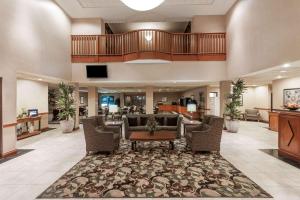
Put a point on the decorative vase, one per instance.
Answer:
(67, 125)
(232, 125)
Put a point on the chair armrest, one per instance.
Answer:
(200, 132)
(190, 128)
(103, 131)
(114, 129)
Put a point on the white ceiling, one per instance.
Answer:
(170, 10)
(268, 75)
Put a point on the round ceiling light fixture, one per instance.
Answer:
(142, 5)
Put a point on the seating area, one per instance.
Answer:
(143, 99)
(100, 137)
(165, 122)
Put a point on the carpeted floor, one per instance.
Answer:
(154, 171)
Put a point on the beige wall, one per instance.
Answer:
(171, 97)
(257, 97)
(88, 27)
(180, 71)
(35, 38)
(262, 34)
(277, 89)
(209, 24)
(31, 95)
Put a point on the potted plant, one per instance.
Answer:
(65, 104)
(232, 112)
(151, 125)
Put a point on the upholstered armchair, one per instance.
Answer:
(100, 138)
(252, 114)
(207, 136)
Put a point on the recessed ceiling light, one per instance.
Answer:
(278, 77)
(283, 71)
(286, 65)
(40, 79)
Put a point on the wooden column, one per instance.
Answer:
(122, 100)
(225, 89)
(149, 100)
(77, 102)
(92, 101)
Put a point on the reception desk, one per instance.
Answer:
(172, 108)
(273, 121)
(289, 135)
(180, 109)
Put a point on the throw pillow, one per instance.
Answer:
(160, 120)
(172, 121)
(144, 121)
(132, 121)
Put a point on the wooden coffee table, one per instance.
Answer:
(144, 136)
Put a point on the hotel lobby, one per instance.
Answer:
(125, 99)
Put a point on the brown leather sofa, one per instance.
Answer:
(170, 122)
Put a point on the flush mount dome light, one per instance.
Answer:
(142, 5)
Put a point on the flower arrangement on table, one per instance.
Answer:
(292, 106)
(151, 125)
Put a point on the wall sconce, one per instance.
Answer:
(148, 37)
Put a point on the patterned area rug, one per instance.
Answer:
(154, 171)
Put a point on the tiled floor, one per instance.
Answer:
(25, 177)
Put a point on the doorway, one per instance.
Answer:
(1, 122)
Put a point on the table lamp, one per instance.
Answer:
(113, 109)
(191, 108)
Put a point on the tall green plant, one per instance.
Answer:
(235, 99)
(65, 101)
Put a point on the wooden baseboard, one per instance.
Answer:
(44, 129)
(8, 154)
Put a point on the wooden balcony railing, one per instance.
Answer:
(149, 44)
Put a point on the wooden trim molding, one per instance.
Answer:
(8, 154)
(44, 113)
(10, 125)
(44, 129)
(266, 109)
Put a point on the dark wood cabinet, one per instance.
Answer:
(273, 121)
(289, 135)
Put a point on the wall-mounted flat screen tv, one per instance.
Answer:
(96, 71)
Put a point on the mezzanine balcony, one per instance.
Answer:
(149, 44)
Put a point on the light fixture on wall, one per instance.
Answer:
(148, 37)
(142, 5)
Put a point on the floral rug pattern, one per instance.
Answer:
(154, 171)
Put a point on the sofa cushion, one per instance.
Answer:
(167, 128)
(144, 121)
(137, 128)
(160, 121)
(116, 136)
(172, 121)
(188, 135)
(132, 121)
(251, 115)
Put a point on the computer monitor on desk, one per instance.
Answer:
(33, 113)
